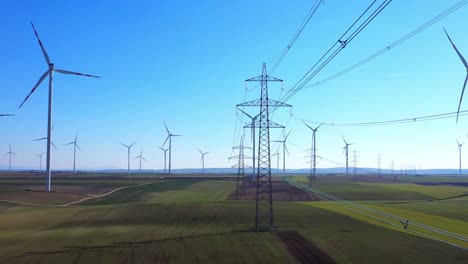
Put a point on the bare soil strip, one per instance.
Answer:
(302, 249)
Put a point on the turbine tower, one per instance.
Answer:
(165, 151)
(313, 149)
(346, 148)
(169, 137)
(49, 72)
(128, 155)
(202, 159)
(252, 128)
(75, 146)
(140, 157)
(9, 153)
(284, 150)
(466, 67)
(40, 160)
(459, 157)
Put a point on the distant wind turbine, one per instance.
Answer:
(169, 137)
(75, 146)
(284, 150)
(140, 157)
(128, 155)
(49, 72)
(252, 127)
(466, 67)
(277, 159)
(165, 151)
(459, 156)
(203, 159)
(346, 148)
(313, 149)
(40, 160)
(44, 138)
(9, 163)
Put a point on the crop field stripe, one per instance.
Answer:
(422, 226)
(104, 195)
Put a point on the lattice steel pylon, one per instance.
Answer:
(240, 165)
(264, 196)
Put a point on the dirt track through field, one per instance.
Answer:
(74, 202)
(302, 249)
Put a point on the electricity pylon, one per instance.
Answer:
(240, 165)
(264, 196)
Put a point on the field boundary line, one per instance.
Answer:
(104, 194)
(90, 196)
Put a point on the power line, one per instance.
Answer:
(396, 43)
(311, 13)
(338, 46)
(389, 122)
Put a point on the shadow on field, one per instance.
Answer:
(302, 249)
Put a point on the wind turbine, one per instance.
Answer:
(75, 146)
(313, 149)
(169, 137)
(252, 127)
(284, 150)
(44, 138)
(459, 156)
(277, 159)
(466, 67)
(40, 160)
(203, 159)
(140, 157)
(49, 72)
(165, 151)
(345, 148)
(128, 155)
(9, 153)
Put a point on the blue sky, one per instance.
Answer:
(185, 62)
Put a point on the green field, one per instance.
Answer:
(192, 221)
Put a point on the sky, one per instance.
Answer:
(185, 63)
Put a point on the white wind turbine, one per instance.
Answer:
(40, 160)
(203, 159)
(128, 155)
(466, 67)
(9, 153)
(169, 137)
(165, 151)
(140, 157)
(75, 146)
(49, 72)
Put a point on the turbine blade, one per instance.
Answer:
(78, 147)
(458, 52)
(124, 145)
(40, 44)
(52, 143)
(132, 145)
(176, 135)
(75, 73)
(68, 143)
(308, 126)
(35, 86)
(165, 140)
(166, 127)
(40, 139)
(319, 126)
(287, 135)
(76, 136)
(245, 113)
(6, 114)
(200, 151)
(461, 96)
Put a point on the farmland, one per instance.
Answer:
(197, 220)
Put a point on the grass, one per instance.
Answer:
(190, 221)
(436, 192)
(358, 191)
